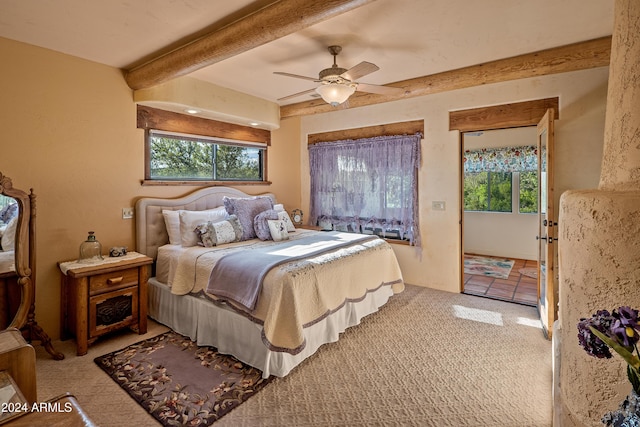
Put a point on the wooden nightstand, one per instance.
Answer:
(102, 297)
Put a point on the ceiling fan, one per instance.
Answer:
(338, 84)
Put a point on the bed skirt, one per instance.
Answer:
(231, 333)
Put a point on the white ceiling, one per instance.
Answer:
(405, 38)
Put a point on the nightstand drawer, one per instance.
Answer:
(111, 281)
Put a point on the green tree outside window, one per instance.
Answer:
(185, 158)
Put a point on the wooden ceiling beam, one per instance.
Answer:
(573, 57)
(276, 20)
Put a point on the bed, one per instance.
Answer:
(296, 304)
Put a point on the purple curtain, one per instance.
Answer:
(364, 184)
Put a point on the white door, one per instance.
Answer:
(547, 228)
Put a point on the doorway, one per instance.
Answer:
(500, 204)
(540, 113)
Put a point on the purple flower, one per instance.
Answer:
(593, 345)
(625, 335)
(624, 325)
(628, 316)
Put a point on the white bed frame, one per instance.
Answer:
(225, 329)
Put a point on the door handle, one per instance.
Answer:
(549, 240)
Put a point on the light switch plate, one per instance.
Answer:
(438, 205)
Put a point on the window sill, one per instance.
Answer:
(150, 182)
(397, 242)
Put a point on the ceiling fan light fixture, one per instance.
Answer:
(335, 93)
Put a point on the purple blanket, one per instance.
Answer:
(238, 276)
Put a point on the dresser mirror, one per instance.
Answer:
(18, 264)
(8, 227)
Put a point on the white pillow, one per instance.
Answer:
(217, 233)
(9, 236)
(278, 230)
(189, 220)
(279, 207)
(284, 216)
(172, 222)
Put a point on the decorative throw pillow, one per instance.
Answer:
(278, 230)
(190, 219)
(279, 207)
(8, 241)
(172, 223)
(283, 215)
(246, 210)
(217, 233)
(325, 224)
(260, 225)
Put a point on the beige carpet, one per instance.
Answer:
(428, 358)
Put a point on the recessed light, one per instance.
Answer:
(192, 111)
(254, 123)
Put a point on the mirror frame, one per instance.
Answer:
(23, 249)
(25, 266)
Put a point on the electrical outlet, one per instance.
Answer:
(127, 213)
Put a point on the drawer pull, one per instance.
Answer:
(115, 280)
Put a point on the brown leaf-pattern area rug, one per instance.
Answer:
(180, 383)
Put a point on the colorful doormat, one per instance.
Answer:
(180, 383)
(492, 267)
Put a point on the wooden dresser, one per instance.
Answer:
(99, 298)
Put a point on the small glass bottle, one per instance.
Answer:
(90, 250)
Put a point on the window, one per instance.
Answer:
(493, 178)
(528, 186)
(182, 157)
(367, 185)
(487, 191)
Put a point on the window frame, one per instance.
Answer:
(207, 140)
(516, 194)
(163, 121)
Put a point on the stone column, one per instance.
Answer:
(599, 240)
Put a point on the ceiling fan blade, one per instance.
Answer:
(313, 79)
(360, 70)
(381, 90)
(304, 92)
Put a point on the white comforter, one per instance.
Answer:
(295, 294)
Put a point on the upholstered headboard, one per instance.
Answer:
(151, 232)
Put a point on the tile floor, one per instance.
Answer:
(516, 288)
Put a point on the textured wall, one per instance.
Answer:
(621, 158)
(599, 269)
(69, 132)
(598, 242)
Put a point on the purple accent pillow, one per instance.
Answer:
(246, 209)
(261, 224)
